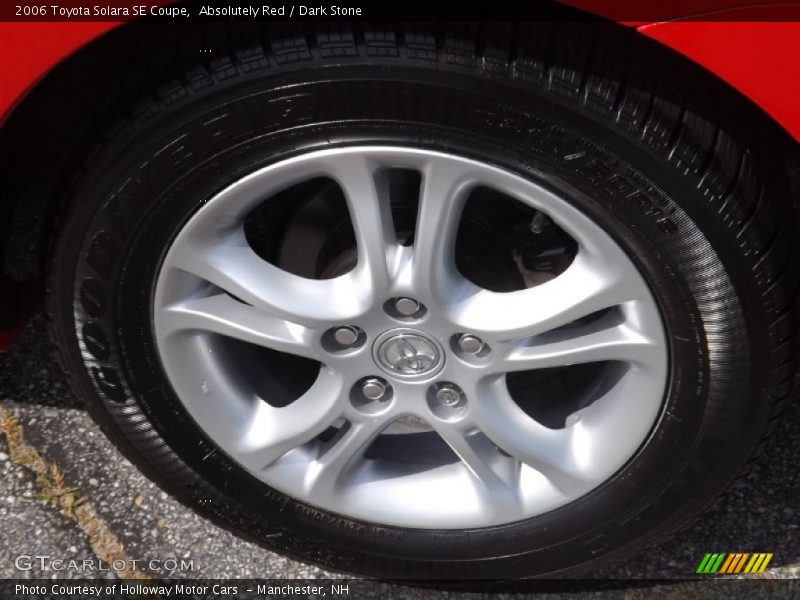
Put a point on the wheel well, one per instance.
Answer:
(53, 131)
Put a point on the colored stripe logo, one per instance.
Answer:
(736, 562)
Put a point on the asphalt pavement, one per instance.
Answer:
(760, 513)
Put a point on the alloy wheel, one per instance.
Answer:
(411, 401)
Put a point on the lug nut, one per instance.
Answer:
(346, 336)
(448, 395)
(406, 306)
(470, 344)
(373, 388)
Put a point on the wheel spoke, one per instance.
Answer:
(549, 451)
(326, 473)
(602, 340)
(223, 315)
(445, 187)
(236, 269)
(272, 432)
(578, 292)
(484, 461)
(367, 194)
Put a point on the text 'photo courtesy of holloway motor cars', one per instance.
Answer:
(418, 291)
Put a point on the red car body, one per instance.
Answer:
(750, 44)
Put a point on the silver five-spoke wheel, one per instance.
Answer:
(410, 419)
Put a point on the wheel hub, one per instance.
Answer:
(408, 354)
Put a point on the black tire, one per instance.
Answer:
(644, 150)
